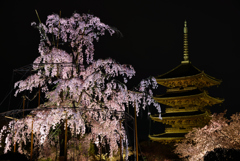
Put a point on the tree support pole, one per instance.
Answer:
(14, 150)
(31, 142)
(65, 145)
(136, 138)
(100, 150)
(23, 104)
(121, 156)
(39, 96)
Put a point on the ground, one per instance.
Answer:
(154, 151)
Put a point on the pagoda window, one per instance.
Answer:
(179, 122)
(179, 102)
(181, 88)
(187, 122)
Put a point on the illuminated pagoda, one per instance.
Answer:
(186, 99)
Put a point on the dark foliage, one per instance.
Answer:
(152, 151)
(222, 154)
(11, 156)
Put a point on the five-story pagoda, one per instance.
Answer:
(186, 100)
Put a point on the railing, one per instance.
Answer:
(176, 130)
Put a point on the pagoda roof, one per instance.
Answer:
(186, 98)
(180, 93)
(182, 114)
(185, 75)
(167, 137)
(170, 116)
(182, 70)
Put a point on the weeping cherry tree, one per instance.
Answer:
(90, 94)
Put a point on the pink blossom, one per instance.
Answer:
(219, 133)
(88, 85)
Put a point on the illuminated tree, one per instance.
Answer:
(219, 133)
(85, 92)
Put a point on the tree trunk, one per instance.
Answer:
(62, 143)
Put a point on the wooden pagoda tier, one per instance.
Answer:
(185, 108)
(167, 138)
(186, 100)
(182, 120)
(186, 75)
(179, 125)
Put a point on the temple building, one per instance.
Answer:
(186, 100)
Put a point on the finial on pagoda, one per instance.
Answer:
(185, 43)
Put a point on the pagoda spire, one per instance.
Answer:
(185, 43)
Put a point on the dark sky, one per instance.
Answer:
(152, 37)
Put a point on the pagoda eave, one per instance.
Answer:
(165, 139)
(199, 80)
(154, 118)
(201, 99)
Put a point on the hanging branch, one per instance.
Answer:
(38, 16)
(58, 28)
(92, 97)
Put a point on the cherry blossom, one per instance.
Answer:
(219, 133)
(87, 93)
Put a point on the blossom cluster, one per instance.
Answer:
(45, 122)
(79, 31)
(88, 88)
(219, 133)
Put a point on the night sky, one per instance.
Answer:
(152, 38)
